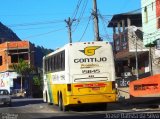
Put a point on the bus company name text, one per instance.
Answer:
(86, 60)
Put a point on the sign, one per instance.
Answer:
(124, 82)
(8, 75)
(2, 84)
(90, 51)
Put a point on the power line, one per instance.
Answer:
(34, 14)
(85, 29)
(133, 11)
(76, 10)
(60, 21)
(81, 14)
(36, 28)
(37, 35)
(36, 23)
(103, 24)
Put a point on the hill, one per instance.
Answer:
(6, 34)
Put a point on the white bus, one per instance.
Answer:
(79, 73)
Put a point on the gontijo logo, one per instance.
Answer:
(90, 51)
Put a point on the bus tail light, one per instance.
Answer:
(69, 87)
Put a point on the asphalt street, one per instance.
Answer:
(30, 108)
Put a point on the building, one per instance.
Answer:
(151, 29)
(11, 52)
(149, 88)
(131, 57)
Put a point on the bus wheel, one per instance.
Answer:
(61, 105)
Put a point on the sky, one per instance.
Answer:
(42, 22)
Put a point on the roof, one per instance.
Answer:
(136, 19)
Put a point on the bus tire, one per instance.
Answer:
(61, 104)
(106, 106)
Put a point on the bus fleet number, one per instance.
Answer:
(90, 71)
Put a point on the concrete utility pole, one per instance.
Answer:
(136, 56)
(96, 27)
(69, 24)
(150, 60)
(134, 29)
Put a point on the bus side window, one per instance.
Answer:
(60, 61)
(52, 63)
(46, 65)
(63, 60)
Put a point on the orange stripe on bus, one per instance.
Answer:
(91, 85)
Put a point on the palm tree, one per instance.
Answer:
(22, 68)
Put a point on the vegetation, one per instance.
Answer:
(37, 81)
(22, 68)
(37, 86)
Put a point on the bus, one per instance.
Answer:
(79, 73)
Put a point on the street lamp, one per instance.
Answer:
(134, 29)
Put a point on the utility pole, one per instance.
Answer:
(69, 24)
(136, 56)
(134, 29)
(150, 60)
(96, 27)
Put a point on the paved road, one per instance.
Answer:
(35, 108)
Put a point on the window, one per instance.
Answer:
(158, 44)
(152, 6)
(63, 60)
(49, 64)
(117, 48)
(0, 60)
(14, 58)
(55, 62)
(146, 14)
(158, 23)
(52, 65)
(46, 65)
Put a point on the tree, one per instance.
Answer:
(22, 68)
(37, 81)
(37, 86)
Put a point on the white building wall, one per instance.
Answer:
(6, 80)
(151, 33)
(150, 27)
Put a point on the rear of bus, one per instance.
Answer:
(91, 73)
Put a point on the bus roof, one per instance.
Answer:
(66, 45)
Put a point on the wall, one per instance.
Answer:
(8, 46)
(150, 30)
(146, 87)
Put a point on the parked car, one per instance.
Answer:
(5, 97)
(18, 93)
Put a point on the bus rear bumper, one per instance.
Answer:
(88, 99)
